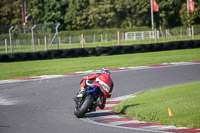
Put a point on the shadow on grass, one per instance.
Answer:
(126, 107)
(109, 112)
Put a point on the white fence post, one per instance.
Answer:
(33, 45)
(94, 38)
(101, 37)
(118, 37)
(192, 33)
(82, 40)
(155, 35)
(10, 38)
(45, 43)
(106, 37)
(6, 46)
(55, 35)
(38, 41)
(142, 34)
(70, 40)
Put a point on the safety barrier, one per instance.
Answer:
(98, 51)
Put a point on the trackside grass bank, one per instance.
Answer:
(70, 65)
(152, 106)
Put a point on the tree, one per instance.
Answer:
(133, 13)
(189, 17)
(51, 12)
(86, 14)
(76, 15)
(102, 14)
(37, 11)
(10, 12)
(169, 12)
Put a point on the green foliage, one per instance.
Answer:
(133, 13)
(44, 11)
(103, 15)
(169, 12)
(88, 14)
(10, 12)
(188, 17)
(76, 15)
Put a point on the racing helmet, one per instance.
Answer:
(105, 70)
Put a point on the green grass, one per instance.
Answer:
(70, 65)
(152, 106)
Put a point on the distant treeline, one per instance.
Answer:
(88, 14)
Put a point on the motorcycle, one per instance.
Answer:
(92, 98)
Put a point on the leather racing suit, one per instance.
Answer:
(104, 81)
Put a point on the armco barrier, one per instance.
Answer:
(98, 51)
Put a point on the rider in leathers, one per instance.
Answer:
(103, 80)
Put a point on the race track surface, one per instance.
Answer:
(46, 105)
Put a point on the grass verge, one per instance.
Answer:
(152, 106)
(70, 65)
(41, 47)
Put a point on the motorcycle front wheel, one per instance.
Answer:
(80, 111)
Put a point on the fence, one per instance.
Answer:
(131, 36)
(28, 38)
(31, 38)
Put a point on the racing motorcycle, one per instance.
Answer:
(92, 98)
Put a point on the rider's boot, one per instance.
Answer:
(102, 106)
(80, 94)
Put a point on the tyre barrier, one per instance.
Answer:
(128, 49)
(158, 46)
(139, 48)
(55, 54)
(116, 50)
(99, 51)
(169, 46)
(196, 44)
(68, 53)
(91, 51)
(102, 50)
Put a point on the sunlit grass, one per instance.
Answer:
(70, 65)
(152, 106)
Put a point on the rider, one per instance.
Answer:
(101, 79)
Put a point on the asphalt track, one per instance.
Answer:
(46, 105)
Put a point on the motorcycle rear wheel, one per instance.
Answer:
(80, 111)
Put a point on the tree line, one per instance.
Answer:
(88, 14)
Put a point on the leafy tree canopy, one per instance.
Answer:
(87, 14)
